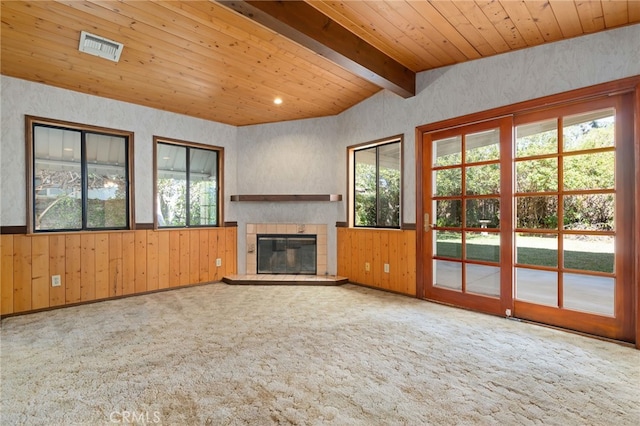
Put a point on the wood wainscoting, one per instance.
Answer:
(358, 247)
(102, 265)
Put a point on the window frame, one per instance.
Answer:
(30, 123)
(220, 180)
(351, 171)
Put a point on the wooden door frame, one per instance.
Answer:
(630, 84)
(483, 303)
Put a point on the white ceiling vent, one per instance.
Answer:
(100, 46)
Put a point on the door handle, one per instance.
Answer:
(426, 224)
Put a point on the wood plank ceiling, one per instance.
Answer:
(207, 60)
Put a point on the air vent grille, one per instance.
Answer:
(100, 46)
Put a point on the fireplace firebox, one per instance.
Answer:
(287, 254)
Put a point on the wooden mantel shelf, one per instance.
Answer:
(283, 197)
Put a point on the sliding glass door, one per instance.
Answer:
(572, 240)
(531, 216)
(467, 222)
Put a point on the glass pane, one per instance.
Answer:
(377, 185)
(594, 129)
(481, 246)
(589, 171)
(589, 252)
(172, 185)
(482, 146)
(57, 179)
(366, 209)
(107, 181)
(537, 249)
(537, 175)
(448, 244)
(483, 213)
(483, 279)
(537, 212)
(389, 185)
(483, 180)
(537, 286)
(448, 213)
(203, 187)
(448, 182)
(537, 138)
(588, 293)
(447, 274)
(447, 152)
(589, 212)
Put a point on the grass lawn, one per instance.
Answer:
(489, 251)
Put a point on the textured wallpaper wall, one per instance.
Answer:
(20, 98)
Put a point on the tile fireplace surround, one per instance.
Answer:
(253, 229)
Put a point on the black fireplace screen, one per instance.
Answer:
(287, 254)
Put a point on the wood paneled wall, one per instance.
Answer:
(97, 265)
(356, 247)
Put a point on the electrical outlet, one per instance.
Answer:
(367, 266)
(386, 268)
(218, 262)
(56, 281)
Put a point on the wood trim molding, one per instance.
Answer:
(283, 197)
(13, 230)
(89, 302)
(636, 231)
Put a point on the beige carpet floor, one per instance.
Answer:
(234, 355)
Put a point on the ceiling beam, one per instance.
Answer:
(308, 27)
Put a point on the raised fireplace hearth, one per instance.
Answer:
(275, 256)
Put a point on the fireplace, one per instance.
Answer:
(286, 254)
(312, 230)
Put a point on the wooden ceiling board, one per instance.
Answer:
(448, 31)
(591, 16)
(633, 10)
(421, 30)
(203, 59)
(615, 13)
(459, 21)
(567, 16)
(310, 28)
(523, 21)
(344, 81)
(542, 14)
(244, 59)
(165, 86)
(474, 13)
(377, 25)
(496, 14)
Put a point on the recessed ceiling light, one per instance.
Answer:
(277, 101)
(68, 149)
(166, 158)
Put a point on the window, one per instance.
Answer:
(188, 184)
(78, 177)
(375, 184)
